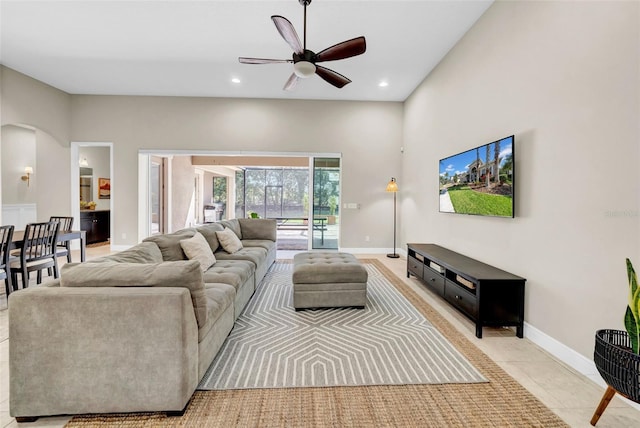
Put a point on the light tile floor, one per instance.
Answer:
(570, 395)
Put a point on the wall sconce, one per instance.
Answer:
(84, 162)
(28, 171)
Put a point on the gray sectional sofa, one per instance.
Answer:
(133, 331)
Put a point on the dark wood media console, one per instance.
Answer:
(487, 295)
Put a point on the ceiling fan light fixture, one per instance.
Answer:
(304, 60)
(304, 69)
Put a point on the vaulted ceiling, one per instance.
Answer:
(191, 48)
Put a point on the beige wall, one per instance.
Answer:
(18, 150)
(53, 174)
(368, 134)
(563, 77)
(26, 101)
(48, 185)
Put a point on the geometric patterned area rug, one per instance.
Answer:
(388, 343)
(501, 402)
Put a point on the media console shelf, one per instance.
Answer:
(487, 295)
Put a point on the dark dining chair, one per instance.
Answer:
(63, 249)
(6, 234)
(38, 252)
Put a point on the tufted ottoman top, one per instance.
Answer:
(327, 267)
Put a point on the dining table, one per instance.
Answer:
(63, 236)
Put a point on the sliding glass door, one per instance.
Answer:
(325, 222)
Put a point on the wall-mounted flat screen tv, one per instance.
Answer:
(479, 181)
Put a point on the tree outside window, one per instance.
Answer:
(220, 195)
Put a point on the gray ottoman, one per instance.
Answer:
(328, 280)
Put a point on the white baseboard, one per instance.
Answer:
(373, 251)
(120, 247)
(570, 357)
(573, 359)
(364, 250)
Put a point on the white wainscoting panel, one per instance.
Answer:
(19, 215)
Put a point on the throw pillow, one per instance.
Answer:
(234, 225)
(197, 248)
(229, 241)
(169, 244)
(209, 232)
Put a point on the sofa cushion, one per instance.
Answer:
(219, 298)
(258, 228)
(197, 248)
(169, 244)
(262, 243)
(144, 252)
(232, 272)
(256, 255)
(234, 225)
(185, 274)
(229, 241)
(209, 233)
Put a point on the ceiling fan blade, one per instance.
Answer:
(288, 33)
(244, 60)
(330, 76)
(292, 82)
(343, 50)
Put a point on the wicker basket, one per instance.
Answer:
(618, 365)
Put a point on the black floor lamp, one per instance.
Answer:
(393, 187)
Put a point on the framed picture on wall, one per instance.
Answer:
(104, 188)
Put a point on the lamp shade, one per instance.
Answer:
(28, 170)
(392, 186)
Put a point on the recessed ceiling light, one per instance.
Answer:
(383, 84)
(235, 80)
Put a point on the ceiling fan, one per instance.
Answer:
(305, 62)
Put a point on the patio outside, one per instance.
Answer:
(282, 193)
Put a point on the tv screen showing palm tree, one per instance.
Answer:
(479, 181)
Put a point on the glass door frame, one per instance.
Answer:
(143, 180)
(161, 163)
(323, 226)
